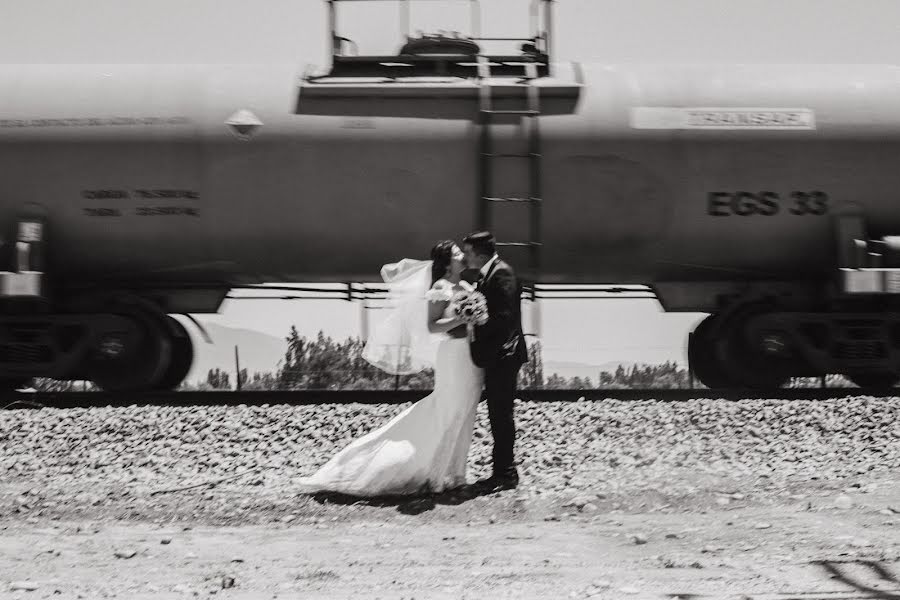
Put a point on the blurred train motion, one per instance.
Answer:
(765, 195)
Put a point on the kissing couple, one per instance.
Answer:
(438, 320)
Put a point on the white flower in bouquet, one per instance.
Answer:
(470, 307)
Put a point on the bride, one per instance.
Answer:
(423, 448)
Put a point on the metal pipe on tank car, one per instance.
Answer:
(548, 26)
(364, 320)
(237, 367)
(332, 26)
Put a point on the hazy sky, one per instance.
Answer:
(293, 31)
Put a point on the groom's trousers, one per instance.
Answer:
(500, 389)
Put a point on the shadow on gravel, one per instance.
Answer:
(410, 504)
(836, 571)
(861, 584)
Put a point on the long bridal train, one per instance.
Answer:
(423, 448)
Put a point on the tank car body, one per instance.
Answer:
(144, 181)
(723, 187)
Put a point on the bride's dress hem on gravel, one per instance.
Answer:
(422, 449)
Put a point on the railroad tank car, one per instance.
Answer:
(762, 194)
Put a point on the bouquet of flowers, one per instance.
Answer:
(471, 307)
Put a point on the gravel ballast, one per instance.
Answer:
(153, 462)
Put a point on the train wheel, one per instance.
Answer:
(751, 363)
(182, 358)
(881, 381)
(702, 357)
(136, 359)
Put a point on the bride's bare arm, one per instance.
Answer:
(437, 323)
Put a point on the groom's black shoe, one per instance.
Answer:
(505, 483)
(499, 482)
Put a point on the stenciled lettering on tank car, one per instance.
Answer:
(811, 203)
(357, 124)
(167, 194)
(105, 194)
(91, 122)
(746, 118)
(175, 211)
(102, 212)
(673, 118)
(766, 203)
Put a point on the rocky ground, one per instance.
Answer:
(763, 498)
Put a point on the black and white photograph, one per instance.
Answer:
(450, 299)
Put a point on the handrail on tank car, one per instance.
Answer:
(541, 28)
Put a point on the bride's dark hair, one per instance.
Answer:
(441, 254)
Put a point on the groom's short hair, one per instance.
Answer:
(482, 242)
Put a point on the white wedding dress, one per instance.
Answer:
(424, 448)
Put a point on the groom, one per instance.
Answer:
(499, 348)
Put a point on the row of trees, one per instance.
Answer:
(323, 363)
(326, 364)
(668, 376)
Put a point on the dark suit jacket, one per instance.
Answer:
(501, 338)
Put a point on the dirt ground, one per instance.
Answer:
(821, 542)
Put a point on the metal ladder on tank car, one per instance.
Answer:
(487, 154)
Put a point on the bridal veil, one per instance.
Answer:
(401, 344)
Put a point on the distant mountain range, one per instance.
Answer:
(262, 352)
(257, 351)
